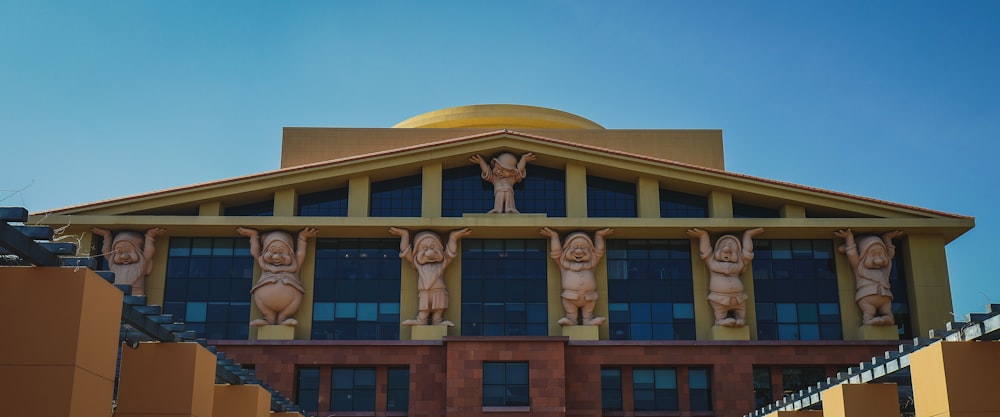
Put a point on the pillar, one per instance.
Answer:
(956, 379)
(166, 380)
(861, 400)
(60, 341)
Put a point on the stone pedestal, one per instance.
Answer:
(276, 332)
(861, 400)
(956, 379)
(428, 332)
(166, 379)
(60, 341)
(730, 333)
(867, 332)
(241, 401)
(581, 332)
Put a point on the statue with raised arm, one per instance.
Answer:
(429, 257)
(725, 264)
(278, 292)
(130, 255)
(503, 171)
(871, 261)
(577, 259)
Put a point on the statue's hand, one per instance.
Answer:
(604, 232)
(754, 232)
(893, 234)
(460, 233)
(399, 232)
(545, 231)
(246, 231)
(528, 157)
(844, 233)
(155, 231)
(101, 232)
(476, 159)
(696, 233)
(309, 232)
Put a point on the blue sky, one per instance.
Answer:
(896, 100)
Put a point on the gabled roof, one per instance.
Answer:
(552, 152)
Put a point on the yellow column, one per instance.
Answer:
(576, 190)
(720, 205)
(861, 400)
(358, 196)
(60, 340)
(956, 379)
(166, 379)
(285, 203)
(431, 191)
(790, 211)
(704, 317)
(927, 278)
(211, 208)
(648, 190)
(241, 401)
(850, 315)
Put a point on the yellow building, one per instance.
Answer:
(659, 350)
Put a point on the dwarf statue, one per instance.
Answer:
(871, 259)
(429, 257)
(725, 264)
(130, 255)
(504, 171)
(278, 293)
(577, 259)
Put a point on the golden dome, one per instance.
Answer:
(498, 116)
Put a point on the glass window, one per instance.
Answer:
(610, 198)
(900, 296)
(611, 389)
(356, 289)
(654, 389)
(463, 190)
(650, 292)
(762, 386)
(398, 395)
(678, 204)
(756, 212)
(700, 389)
(307, 388)
(208, 283)
(504, 287)
(352, 389)
(263, 208)
(795, 379)
(795, 286)
(398, 197)
(505, 384)
(329, 203)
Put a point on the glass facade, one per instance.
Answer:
(398, 197)
(747, 211)
(504, 287)
(263, 208)
(398, 390)
(700, 389)
(208, 283)
(654, 389)
(650, 292)
(307, 388)
(357, 286)
(795, 286)
(329, 203)
(762, 392)
(795, 379)
(505, 384)
(678, 204)
(611, 389)
(464, 191)
(352, 389)
(610, 198)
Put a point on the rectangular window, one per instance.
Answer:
(208, 282)
(398, 393)
(654, 389)
(762, 386)
(352, 389)
(307, 388)
(398, 197)
(795, 379)
(676, 204)
(700, 389)
(795, 286)
(650, 292)
(505, 384)
(747, 211)
(611, 389)
(610, 198)
(357, 286)
(463, 190)
(263, 208)
(329, 203)
(504, 287)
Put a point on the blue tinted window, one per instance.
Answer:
(700, 389)
(611, 389)
(208, 283)
(678, 204)
(504, 287)
(900, 296)
(307, 388)
(398, 197)
(505, 384)
(398, 395)
(650, 292)
(750, 211)
(352, 389)
(610, 198)
(263, 208)
(464, 191)
(356, 289)
(654, 389)
(329, 203)
(795, 286)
